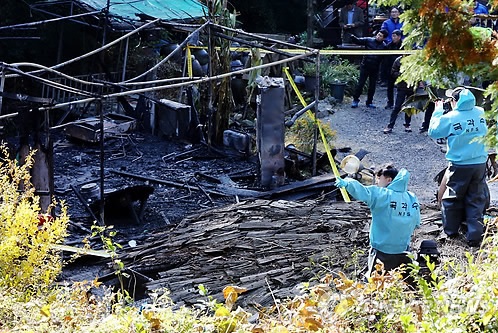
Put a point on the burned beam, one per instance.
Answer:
(163, 182)
(85, 204)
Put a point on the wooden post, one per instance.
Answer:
(309, 26)
(2, 85)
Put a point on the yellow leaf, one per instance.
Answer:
(279, 329)
(231, 293)
(227, 326)
(487, 317)
(343, 306)
(233, 289)
(151, 317)
(45, 310)
(222, 312)
(307, 311)
(312, 324)
(343, 283)
(147, 314)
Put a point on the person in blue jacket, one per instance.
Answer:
(480, 9)
(390, 25)
(395, 215)
(465, 197)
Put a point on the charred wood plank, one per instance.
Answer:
(258, 244)
(163, 182)
(260, 276)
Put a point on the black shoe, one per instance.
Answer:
(388, 106)
(422, 129)
(441, 141)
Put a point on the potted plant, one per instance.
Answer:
(309, 72)
(340, 77)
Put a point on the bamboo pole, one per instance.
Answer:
(252, 44)
(31, 24)
(99, 49)
(266, 39)
(177, 85)
(180, 46)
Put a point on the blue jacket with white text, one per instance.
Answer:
(395, 212)
(464, 128)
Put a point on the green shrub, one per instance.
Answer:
(301, 134)
(333, 69)
(27, 235)
(341, 70)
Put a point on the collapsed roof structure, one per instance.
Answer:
(126, 14)
(60, 91)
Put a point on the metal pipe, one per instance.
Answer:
(298, 114)
(15, 26)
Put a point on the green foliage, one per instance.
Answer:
(301, 134)
(450, 48)
(456, 297)
(106, 235)
(341, 70)
(333, 70)
(27, 235)
(309, 69)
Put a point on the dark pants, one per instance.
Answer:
(390, 91)
(428, 114)
(385, 68)
(401, 95)
(464, 200)
(367, 72)
(390, 261)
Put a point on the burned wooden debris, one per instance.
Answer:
(268, 247)
(124, 206)
(88, 129)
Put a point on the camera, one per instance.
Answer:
(447, 106)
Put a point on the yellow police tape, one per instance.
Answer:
(189, 63)
(344, 193)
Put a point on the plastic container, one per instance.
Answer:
(337, 91)
(237, 140)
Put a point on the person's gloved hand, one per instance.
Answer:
(340, 183)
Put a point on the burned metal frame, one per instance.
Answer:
(212, 30)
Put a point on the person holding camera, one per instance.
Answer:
(463, 125)
(395, 215)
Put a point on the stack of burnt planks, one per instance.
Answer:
(267, 247)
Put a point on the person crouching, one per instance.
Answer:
(395, 215)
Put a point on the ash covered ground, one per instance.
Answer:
(140, 159)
